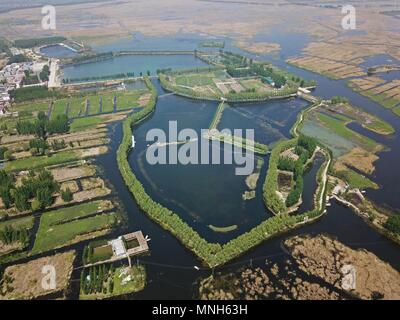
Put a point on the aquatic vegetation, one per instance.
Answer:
(223, 229)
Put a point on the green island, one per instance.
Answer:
(223, 229)
(233, 78)
(106, 281)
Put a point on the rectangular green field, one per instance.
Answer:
(86, 123)
(32, 107)
(59, 108)
(340, 128)
(357, 180)
(192, 80)
(59, 235)
(94, 102)
(41, 161)
(128, 99)
(108, 102)
(68, 214)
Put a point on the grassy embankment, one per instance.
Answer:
(380, 98)
(335, 119)
(240, 142)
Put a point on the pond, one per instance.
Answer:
(131, 63)
(57, 51)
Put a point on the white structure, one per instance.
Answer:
(133, 141)
(118, 247)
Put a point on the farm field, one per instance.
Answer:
(387, 94)
(66, 226)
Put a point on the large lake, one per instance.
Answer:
(212, 195)
(132, 63)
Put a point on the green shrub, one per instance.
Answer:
(393, 223)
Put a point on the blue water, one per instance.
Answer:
(57, 51)
(132, 63)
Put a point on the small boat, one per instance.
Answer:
(196, 267)
(133, 141)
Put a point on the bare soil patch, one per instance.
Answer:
(25, 280)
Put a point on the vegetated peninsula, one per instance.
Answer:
(234, 78)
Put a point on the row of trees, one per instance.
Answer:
(88, 58)
(258, 69)
(45, 73)
(29, 43)
(339, 99)
(393, 223)
(304, 148)
(42, 126)
(10, 235)
(18, 58)
(98, 279)
(34, 93)
(5, 154)
(33, 193)
(6, 184)
(271, 199)
(106, 77)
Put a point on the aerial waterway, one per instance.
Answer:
(170, 267)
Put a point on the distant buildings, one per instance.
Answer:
(11, 77)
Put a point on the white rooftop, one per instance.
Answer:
(118, 247)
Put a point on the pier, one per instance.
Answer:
(122, 248)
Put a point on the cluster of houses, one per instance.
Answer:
(11, 77)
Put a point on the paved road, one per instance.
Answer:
(54, 79)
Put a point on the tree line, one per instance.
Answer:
(34, 93)
(34, 42)
(106, 77)
(98, 279)
(33, 193)
(10, 235)
(42, 126)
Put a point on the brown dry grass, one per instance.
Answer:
(357, 158)
(258, 47)
(70, 173)
(325, 257)
(27, 277)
